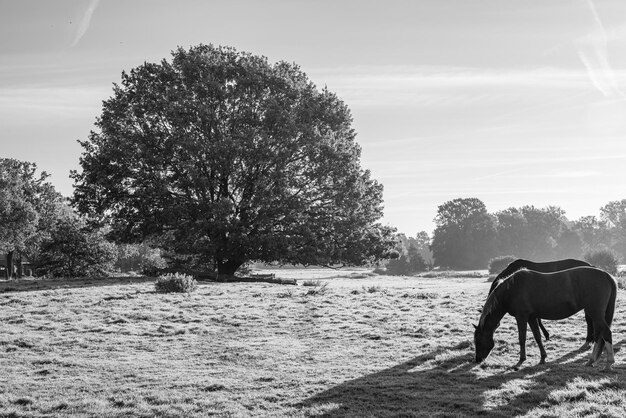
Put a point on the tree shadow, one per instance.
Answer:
(34, 284)
(447, 382)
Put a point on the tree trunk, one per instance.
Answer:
(228, 268)
(9, 265)
(19, 265)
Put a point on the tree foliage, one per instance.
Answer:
(75, 250)
(410, 259)
(538, 234)
(223, 158)
(613, 214)
(465, 234)
(28, 206)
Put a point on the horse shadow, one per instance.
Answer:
(447, 382)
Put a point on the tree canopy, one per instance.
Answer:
(222, 157)
(465, 234)
(28, 204)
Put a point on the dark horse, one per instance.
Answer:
(547, 267)
(529, 295)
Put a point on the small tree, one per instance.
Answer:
(72, 250)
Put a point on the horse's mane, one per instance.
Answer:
(493, 299)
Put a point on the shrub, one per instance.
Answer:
(175, 282)
(74, 250)
(604, 259)
(497, 264)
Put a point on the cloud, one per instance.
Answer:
(592, 51)
(84, 22)
(445, 86)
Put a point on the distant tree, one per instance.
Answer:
(28, 207)
(569, 244)
(410, 261)
(511, 232)
(74, 250)
(533, 233)
(465, 234)
(416, 261)
(224, 158)
(594, 233)
(544, 226)
(614, 216)
(422, 242)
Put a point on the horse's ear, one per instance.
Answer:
(480, 310)
(475, 327)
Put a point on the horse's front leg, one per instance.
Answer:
(521, 330)
(534, 326)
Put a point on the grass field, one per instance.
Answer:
(360, 346)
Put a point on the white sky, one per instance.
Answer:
(514, 103)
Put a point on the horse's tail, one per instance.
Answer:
(610, 308)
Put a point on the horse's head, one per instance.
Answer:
(483, 341)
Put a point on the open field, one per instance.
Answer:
(360, 346)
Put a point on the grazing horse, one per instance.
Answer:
(529, 295)
(547, 267)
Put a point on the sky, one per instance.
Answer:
(513, 103)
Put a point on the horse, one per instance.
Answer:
(546, 267)
(529, 295)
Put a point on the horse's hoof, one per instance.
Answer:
(589, 363)
(584, 347)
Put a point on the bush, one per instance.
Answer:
(497, 264)
(604, 259)
(175, 283)
(74, 250)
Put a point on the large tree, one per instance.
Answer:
(465, 234)
(223, 158)
(28, 204)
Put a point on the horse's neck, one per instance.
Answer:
(492, 319)
(493, 310)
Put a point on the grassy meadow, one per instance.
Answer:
(348, 344)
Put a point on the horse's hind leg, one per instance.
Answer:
(543, 329)
(534, 326)
(603, 342)
(607, 339)
(610, 357)
(590, 334)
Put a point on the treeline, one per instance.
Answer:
(41, 234)
(467, 236)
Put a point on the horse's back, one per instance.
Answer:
(543, 267)
(560, 294)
